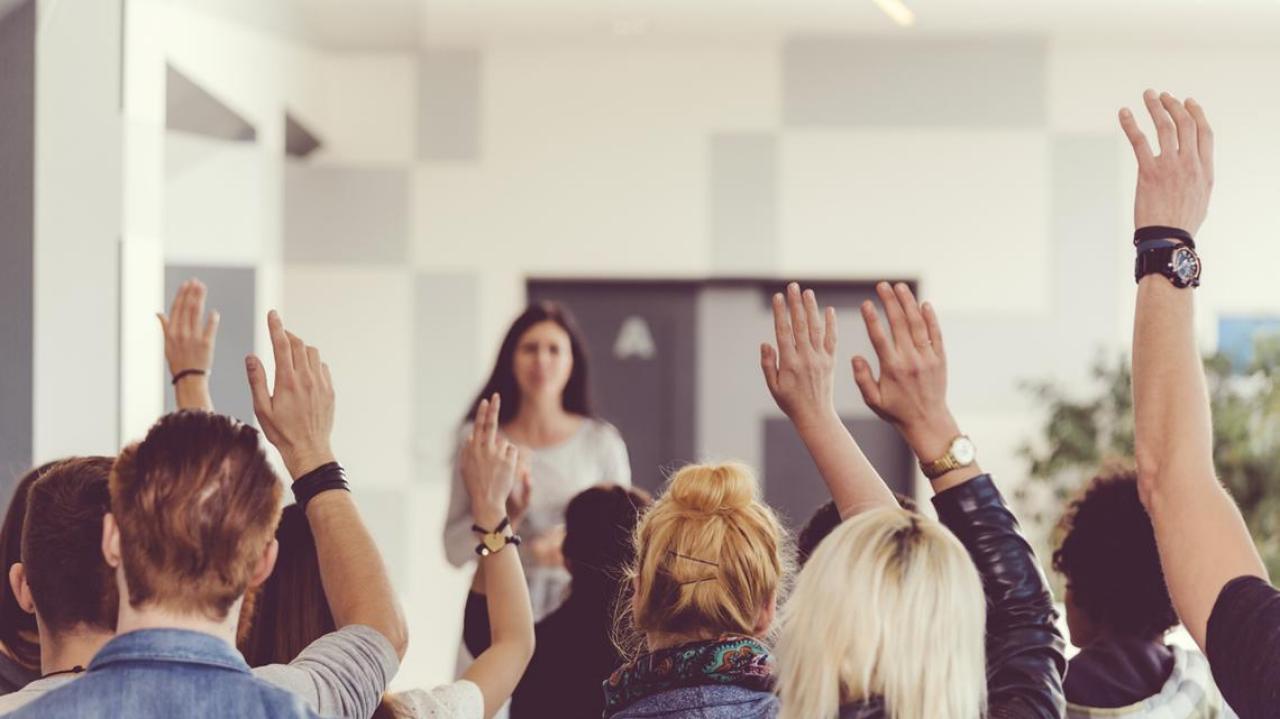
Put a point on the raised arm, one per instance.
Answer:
(488, 465)
(800, 376)
(298, 419)
(188, 346)
(1203, 540)
(1025, 660)
(911, 392)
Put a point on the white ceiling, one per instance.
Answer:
(403, 24)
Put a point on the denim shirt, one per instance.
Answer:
(710, 701)
(167, 673)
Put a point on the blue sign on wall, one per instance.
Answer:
(1237, 335)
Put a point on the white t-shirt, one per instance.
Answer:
(459, 700)
(342, 674)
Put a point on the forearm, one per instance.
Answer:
(498, 669)
(192, 392)
(854, 483)
(355, 579)
(1202, 537)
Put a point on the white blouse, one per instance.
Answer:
(459, 700)
(595, 454)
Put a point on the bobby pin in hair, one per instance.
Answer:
(697, 581)
(693, 559)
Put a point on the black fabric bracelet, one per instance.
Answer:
(506, 522)
(1159, 232)
(324, 478)
(188, 373)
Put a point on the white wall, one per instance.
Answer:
(593, 161)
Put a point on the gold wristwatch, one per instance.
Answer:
(961, 453)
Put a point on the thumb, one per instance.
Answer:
(258, 387)
(769, 364)
(866, 382)
(164, 322)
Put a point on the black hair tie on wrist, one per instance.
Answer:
(324, 478)
(187, 373)
(506, 522)
(1160, 232)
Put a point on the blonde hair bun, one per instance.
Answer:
(712, 488)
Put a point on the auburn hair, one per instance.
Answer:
(197, 504)
(709, 557)
(71, 583)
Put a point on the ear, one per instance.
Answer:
(18, 583)
(111, 541)
(764, 620)
(266, 563)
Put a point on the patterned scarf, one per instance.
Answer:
(735, 660)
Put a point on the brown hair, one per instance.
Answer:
(196, 503)
(709, 555)
(290, 609)
(16, 625)
(71, 583)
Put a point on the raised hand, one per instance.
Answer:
(488, 466)
(800, 373)
(1174, 186)
(911, 392)
(188, 345)
(298, 417)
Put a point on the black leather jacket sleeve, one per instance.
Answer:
(1025, 650)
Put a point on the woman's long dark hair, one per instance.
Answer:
(577, 392)
(16, 625)
(291, 611)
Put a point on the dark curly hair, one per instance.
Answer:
(1108, 556)
(825, 519)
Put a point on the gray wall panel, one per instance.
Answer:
(233, 293)
(927, 82)
(744, 202)
(449, 111)
(445, 341)
(346, 214)
(17, 237)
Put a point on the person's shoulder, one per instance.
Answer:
(600, 431)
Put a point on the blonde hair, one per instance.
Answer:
(709, 557)
(890, 605)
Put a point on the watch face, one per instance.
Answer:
(963, 450)
(1185, 265)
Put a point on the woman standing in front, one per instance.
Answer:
(542, 366)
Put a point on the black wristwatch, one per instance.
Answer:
(1179, 263)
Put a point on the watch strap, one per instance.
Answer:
(944, 464)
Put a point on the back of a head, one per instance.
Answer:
(1109, 557)
(197, 505)
(709, 556)
(290, 610)
(889, 606)
(16, 625)
(825, 519)
(71, 583)
(599, 525)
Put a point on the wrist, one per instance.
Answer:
(303, 460)
(931, 438)
(487, 516)
(815, 419)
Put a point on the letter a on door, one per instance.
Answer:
(634, 340)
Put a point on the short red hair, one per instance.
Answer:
(196, 503)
